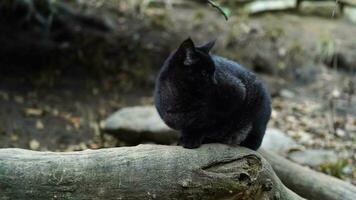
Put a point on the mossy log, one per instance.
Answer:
(309, 183)
(213, 171)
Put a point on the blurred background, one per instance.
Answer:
(67, 65)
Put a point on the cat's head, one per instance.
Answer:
(194, 62)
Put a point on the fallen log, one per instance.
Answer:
(213, 171)
(309, 183)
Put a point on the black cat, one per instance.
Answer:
(211, 99)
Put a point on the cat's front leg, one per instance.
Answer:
(191, 139)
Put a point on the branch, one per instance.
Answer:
(308, 183)
(213, 171)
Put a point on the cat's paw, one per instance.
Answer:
(190, 143)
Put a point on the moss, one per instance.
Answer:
(199, 15)
(160, 19)
(274, 32)
(334, 169)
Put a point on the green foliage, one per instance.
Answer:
(326, 48)
(334, 169)
(223, 10)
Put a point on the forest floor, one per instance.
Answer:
(319, 113)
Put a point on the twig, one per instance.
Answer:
(218, 7)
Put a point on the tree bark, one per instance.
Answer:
(213, 171)
(309, 183)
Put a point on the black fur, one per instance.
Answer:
(211, 99)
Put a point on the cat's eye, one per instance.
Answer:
(204, 73)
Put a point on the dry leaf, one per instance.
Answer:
(33, 112)
(75, 121)
(34, 144)
(39, 125)
(19, 99)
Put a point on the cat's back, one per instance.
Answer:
(229, 70)
(224, 66)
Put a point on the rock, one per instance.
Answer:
(139, 124)
(340, 132)
(277, 141)
(303, 137)
(319, 8)
(142, 124)
(350, 14)
(270, 5)
(313, 157)
(286, 94)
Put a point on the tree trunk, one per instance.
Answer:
(213, 171)
(308, 183)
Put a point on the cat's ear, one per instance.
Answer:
(207, 47)
(187, 52)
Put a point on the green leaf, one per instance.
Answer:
(223, 10)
